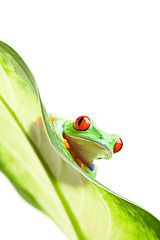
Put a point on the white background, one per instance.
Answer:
(100, 58)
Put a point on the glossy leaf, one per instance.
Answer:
(42, 170)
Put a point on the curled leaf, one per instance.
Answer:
(42, 170)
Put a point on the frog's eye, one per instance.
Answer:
(82, 123)
(118, 145)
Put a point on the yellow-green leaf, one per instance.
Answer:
(37, 163)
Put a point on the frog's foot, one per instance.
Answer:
(40, 121)
(52, 119)
(92, 170)
(66, 143)
(63, 139)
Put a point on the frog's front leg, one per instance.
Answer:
(92, 170)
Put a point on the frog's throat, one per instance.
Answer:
(86, 150)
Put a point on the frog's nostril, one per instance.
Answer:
(118, 145)
(100, 136)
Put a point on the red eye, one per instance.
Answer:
(118, 145)
(82, 123)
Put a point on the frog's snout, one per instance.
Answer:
(118, 145)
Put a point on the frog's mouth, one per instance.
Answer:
(86, 150)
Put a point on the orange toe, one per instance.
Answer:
(52, 119)
(40, 121)
(66, 143)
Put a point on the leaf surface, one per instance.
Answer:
(42, 170)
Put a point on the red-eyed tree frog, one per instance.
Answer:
(86, 142)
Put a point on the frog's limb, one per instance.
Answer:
(66, 143)
(92, 171)
(40, 121)
(52, 119)
(52, 115)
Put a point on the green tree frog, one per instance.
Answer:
(86, 142)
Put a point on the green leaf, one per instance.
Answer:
(37, 163)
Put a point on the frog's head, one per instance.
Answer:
(89, 142)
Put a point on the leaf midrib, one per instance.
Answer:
(68, 210)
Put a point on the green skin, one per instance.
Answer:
(89, 145)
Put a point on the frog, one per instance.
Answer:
(86, 142)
